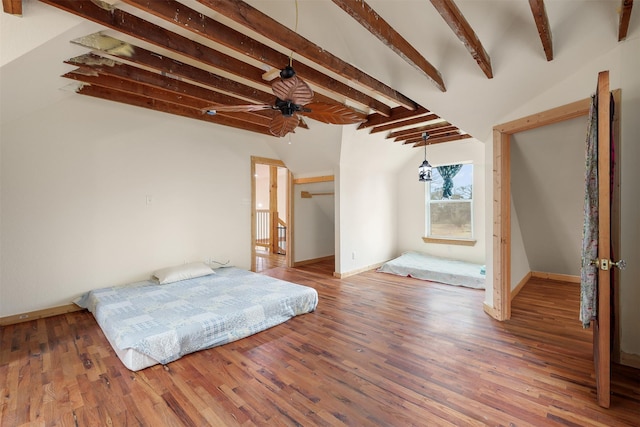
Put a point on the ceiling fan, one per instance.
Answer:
(294, 99)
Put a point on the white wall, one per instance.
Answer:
(366, 199)
(520, 267)
(623, 63)
(367, 216)
(314, 222)
(630, 197)
(75, 185)
(547, 192)
(411, 201)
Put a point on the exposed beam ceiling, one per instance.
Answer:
(251, 18)
(625, 17)
(542, 22)
(419, 142)
(456, 20)
(376, 25)
(181, 57)
(176, 13)
(12, 7)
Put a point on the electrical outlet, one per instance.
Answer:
(353, 255)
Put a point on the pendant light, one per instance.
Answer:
(424, 170)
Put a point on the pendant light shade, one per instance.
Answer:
(424, 170)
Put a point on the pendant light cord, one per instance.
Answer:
(296, 31)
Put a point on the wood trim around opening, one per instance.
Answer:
(501, 309)
(502, 195)
(289, 195)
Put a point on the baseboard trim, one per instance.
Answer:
(39, 314)
(556, 276)
(629, 359)
(314, 260)
(358, 271)
(490, 310)
(520, 285)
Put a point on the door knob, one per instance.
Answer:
(605, 264)
(621, 264)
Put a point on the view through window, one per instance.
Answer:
(449, 202)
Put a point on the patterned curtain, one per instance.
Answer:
(447, 173)
(589, 272)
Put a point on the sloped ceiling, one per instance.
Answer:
(409, 66)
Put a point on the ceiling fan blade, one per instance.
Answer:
(293, 89)
(282, 125)
(236, 108)
(335, 114)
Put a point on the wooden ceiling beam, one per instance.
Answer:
(442, 139)
(119, 79)
(544, 29)
(189, 19)
(122, 87)
(418, 130)
(246, 15)
(458, 23)
(173, 68)
(134, 26)
(625, 17)
(12, 7)
(416, 139)
(166, 107)
(397, 114)
(407, 122)
(376, 25)
(432, 134)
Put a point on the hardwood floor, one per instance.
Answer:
(379, 350)
(266, 260)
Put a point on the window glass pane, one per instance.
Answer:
(462, 184)
(449, 202)
(451, 219)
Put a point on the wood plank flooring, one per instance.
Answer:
(266, 260)
(380, 350)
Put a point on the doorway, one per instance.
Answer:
(501, 309)
(606, 190)
(271, 228)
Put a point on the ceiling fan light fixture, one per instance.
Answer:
(287, 108)
(287, 72)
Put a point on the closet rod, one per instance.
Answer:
(307, 195)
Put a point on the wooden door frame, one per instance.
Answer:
(288, 214)
(501, 309)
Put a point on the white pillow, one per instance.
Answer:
(182, 272)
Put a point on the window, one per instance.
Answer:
(449, 202)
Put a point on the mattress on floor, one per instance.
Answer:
(148, 323)
(436, 269)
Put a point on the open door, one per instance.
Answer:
(501, 309)
(602, 322)
(597, 284)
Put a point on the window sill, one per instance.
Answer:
(446, 241)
